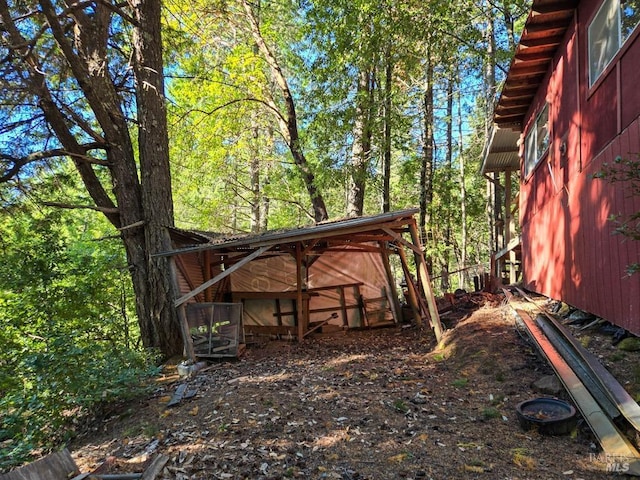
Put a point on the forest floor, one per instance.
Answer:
(379, 404)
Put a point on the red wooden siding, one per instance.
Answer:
(630, 90)
(569, 251)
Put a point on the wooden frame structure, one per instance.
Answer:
(203, 265)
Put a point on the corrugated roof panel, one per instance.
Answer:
(501, 151)
(329, 228)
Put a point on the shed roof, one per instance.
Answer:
(345, 231)
(543, 33)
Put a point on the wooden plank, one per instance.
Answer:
(177, 395)
(398, 239)
(271, 329)
(278, 313)
(395, 304)
(425, 282)
(237, 296)
(155, 468)
(220, 276)
(321, 310)
(411, 290)
(320, 324)
(59, 465)
(333, 287)
(343, 307)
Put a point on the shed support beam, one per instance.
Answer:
(220, 276)
(411, 291)
(425, 281)
(301, 309)
(393, 294)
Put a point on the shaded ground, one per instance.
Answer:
(380, 404)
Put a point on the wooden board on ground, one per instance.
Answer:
(59, 465)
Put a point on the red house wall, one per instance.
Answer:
(569, 250)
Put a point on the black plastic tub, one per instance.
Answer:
(550, 416)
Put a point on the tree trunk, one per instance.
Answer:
(84, 54)
(426, 170)
(157, 202)
(444, 280)
(490, 69)
(361, 148)
(386, 167)
(288, 120)
(490, 88)
(254, 182)
(463, 199)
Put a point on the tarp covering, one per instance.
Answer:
(361, 275)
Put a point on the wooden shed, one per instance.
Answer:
(293, 282)
(569, 106)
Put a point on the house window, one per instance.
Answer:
(537, 141)
(609, 29)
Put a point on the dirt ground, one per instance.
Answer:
(379, 404)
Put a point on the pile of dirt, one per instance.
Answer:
(376, 404)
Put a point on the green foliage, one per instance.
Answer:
(460, 382)
(224, 103)
(68, 329)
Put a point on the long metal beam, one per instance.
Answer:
(614, 444)
(606, 382)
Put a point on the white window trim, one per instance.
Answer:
(619, 36)
(531, 143)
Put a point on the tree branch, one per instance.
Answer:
(266, 103)
(111, 210)
(19, 162)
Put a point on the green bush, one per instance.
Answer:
(68, 329)
(52, 388)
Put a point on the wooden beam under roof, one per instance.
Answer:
(543, 41)
(219, 277)
(554, 7)
(524, 70)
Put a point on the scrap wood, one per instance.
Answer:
(52, 467)
(155, 468)
(181, 393)
(108, 476)
(322, 323)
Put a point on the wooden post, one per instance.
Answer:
(186, 336)
(206, 275)
(413, 295)
(510, 232)
(343, 307)
(300, 308)
(395, 305)
(425, 281)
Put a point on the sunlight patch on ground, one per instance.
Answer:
(347, 359)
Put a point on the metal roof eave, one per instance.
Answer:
(500, 153)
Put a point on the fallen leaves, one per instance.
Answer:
(366, 405)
